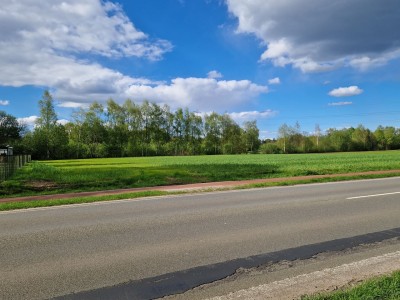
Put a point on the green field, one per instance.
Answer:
(97, 174)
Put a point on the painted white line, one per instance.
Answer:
(370, 196)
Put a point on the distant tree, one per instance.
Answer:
(379, 135)
(390, 137)
(339, 140)
(317, 134)
(94, 132)
(48, 136)
(10, 129)
(284, 134)
(213, 133)
(117, 129)
(48, 117)
(270, 148)
(362, 139)
(251, 135)
(193, 132)
(233, 140)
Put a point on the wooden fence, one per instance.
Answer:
(9, 164)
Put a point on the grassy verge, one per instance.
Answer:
(387, 287)
(316, 180)
(90, 199)
(80, 200)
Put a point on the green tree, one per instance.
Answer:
(178, 130)
(362, 139)
(390, 137)
(94, 133)
(232, 136)
(251, 135)
(379, 134)
(46, 123)
(283, 135)
(10, 129)
(339, 140)
(49, 138)
(117, 128)
(213, 133)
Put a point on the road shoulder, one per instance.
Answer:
(290, 280)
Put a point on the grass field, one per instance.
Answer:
(98, 174)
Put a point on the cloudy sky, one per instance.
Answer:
(332, 63)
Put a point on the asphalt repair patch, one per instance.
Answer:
(182, 281)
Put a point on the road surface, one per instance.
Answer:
(50, 252)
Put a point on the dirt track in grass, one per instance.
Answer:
(195, 186)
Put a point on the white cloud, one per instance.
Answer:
(29, 121)
(277, 49)
(214, 74)
(340, 103)
(275, 80)
(69, 104)
(63, 121)
(252, 115)
(199, 93)
(346, 91)
(4, 102)
(319, 35)
(53, 36)
(75, 26)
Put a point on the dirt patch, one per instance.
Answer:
(41, 185)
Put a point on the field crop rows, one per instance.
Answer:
(109, 173)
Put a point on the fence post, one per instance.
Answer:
(9, 164)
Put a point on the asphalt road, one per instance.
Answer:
(55, 251)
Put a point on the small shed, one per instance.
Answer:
(6, 151)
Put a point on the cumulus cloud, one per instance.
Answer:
(346, 91)
(199, 93)
(63, 121)
(340, 103)
(42, 43)
(69, 104)
(74, 26)
(4, 102)
(59, 42)
(214, 74)
(252, 115)
(29, 121)
(275, 80)
(321, 35)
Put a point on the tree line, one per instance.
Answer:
(132, 129)
(292, 140)
(148, 129)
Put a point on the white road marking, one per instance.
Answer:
(370, 196)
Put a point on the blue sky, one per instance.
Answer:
(332, 63)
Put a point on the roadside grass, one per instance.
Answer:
(80, 200)
(387, 287)
(62, 176)
(90, 199)
(316, 180)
